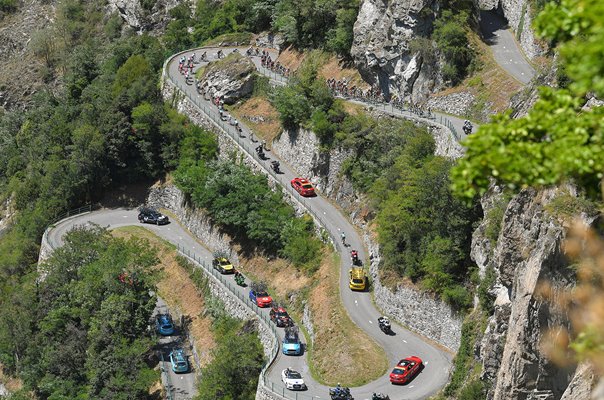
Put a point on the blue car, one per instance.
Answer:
(164, 325)
(179, 362)
(292, 346)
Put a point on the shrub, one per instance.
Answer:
(452, 41)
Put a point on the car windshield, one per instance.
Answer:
(281, 314)
(398, 371)
(262, 294)
(307, 186)
(294, 375)
(403, 363)
(290, 340)
(357, 280)
(181, 364)
(166, 325)
(224, 262)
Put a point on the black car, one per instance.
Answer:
(151, 216)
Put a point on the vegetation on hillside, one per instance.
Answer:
(243, 203)
(558, 141)
(81, 332)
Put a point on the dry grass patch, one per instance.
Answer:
(333, 68)
(342, 352)
(281, 275)
(262, 118)
(177, 290)
(491, 85)
(11, 383)
(291, 58)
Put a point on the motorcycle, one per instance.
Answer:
(384, 324)
(275, 167)
(354, 256)
(380, 396)
(467, 127)
(340, 393)
(239, 279)
(260, 153)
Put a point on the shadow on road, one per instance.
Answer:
(491, 22)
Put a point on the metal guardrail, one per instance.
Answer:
(276, 387)
(72, 213)
(166, 375)
(247, 145)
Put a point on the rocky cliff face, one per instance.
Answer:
(230, 78)
(528, 250)
(153, 18)
(382, 34)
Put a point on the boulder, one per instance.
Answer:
(231, 78)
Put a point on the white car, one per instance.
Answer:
(292, 379)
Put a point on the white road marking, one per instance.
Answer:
(411, 386)
(370, 322)
(125, 216)
(180, 237)
(355, 302)
(404, 341)
(426, 363)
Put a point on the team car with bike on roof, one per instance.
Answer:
(223, 265)
(292, 379)
(259, 296)
(291, 344)
(164, 324)
(179, 361)
(279, 316)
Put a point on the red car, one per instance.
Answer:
(406, 370)
(303, 186)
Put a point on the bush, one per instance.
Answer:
(301, 247)
(474, 390)
(8, 5)
(485, 298)
(452, 41)
(292, 105)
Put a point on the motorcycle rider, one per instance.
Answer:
(275, 165)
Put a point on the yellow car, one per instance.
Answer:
(358, 279)
(223, 265)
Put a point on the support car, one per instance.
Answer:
(179, 361)
(223, 265)
(164, 324)
(303, 186)
(406, 370)
(280, 317)
(292, 379)
(259, 296)
(291, 344)
(358, 279)
(151, 216)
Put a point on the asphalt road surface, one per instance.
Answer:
(358, 305)
(497, 35)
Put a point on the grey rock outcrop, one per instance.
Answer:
(528, 250)
(230, 78)
(580, 387)
(151, 20)
(381, 46)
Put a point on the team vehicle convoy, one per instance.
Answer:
(385, 325)
(406, 370)
(340, 393)
(223, 265)
(279, 316)
(164, 325)
(179, 362)
(358, 279)
(291, 345)
(304, 187)
(151, 216)
(259, 296)
(292, 379)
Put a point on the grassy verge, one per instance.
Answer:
(260, 116)
(491, 85)
(342, 352)
(178, 290)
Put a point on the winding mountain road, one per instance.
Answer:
(358, 305)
